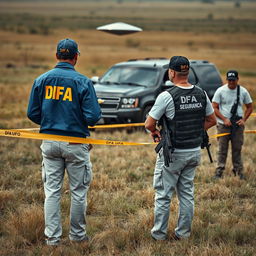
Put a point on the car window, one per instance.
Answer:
(166, 77)
(131, 75)
(207, 74)
(192, 78)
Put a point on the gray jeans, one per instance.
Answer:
(180, 177)
(75, 159)
(236, 146)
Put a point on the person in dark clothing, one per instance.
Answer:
(64, 102)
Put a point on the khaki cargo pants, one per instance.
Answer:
(236, 147)
(75, 159)
(178, 176)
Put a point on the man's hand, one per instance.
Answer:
(150, 125)
(241, 122)
(156, 136)
(227, 122)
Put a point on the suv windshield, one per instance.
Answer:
(131, 75)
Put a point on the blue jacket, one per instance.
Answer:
(63, 102)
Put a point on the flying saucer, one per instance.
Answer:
(119, 28)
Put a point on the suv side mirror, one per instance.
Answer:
(95, 79)
(167, 85)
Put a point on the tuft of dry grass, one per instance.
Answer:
(25, 226)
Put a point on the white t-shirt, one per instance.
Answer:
(164, 105)
(226, 98)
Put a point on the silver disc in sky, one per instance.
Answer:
(119, 28)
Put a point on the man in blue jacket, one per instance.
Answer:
(64, 102)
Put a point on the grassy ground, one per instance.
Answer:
(120, 203)
(121, 198)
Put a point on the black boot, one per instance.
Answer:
(217, 176)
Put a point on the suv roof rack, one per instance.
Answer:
(149, 58)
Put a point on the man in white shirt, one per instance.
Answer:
(226, 97)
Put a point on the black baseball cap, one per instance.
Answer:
(232, 75)
(178, 63)
(67, 48)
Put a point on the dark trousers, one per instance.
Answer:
(237, 141)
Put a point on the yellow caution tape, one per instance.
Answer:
(219, 135)
(250, 131)
(18, 133)
(26, 129)
(117, 125)
(43, 136)
(227, 133)
(96, 126)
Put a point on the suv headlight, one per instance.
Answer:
(129, 102)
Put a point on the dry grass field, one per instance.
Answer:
(121, 197)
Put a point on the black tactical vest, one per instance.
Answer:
(187, 126)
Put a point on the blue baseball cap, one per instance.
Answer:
(67, 48)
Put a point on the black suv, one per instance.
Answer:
(128, 90)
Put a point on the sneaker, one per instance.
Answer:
(153, 238)
(84, 239)
(52, 241)
(157, 239)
